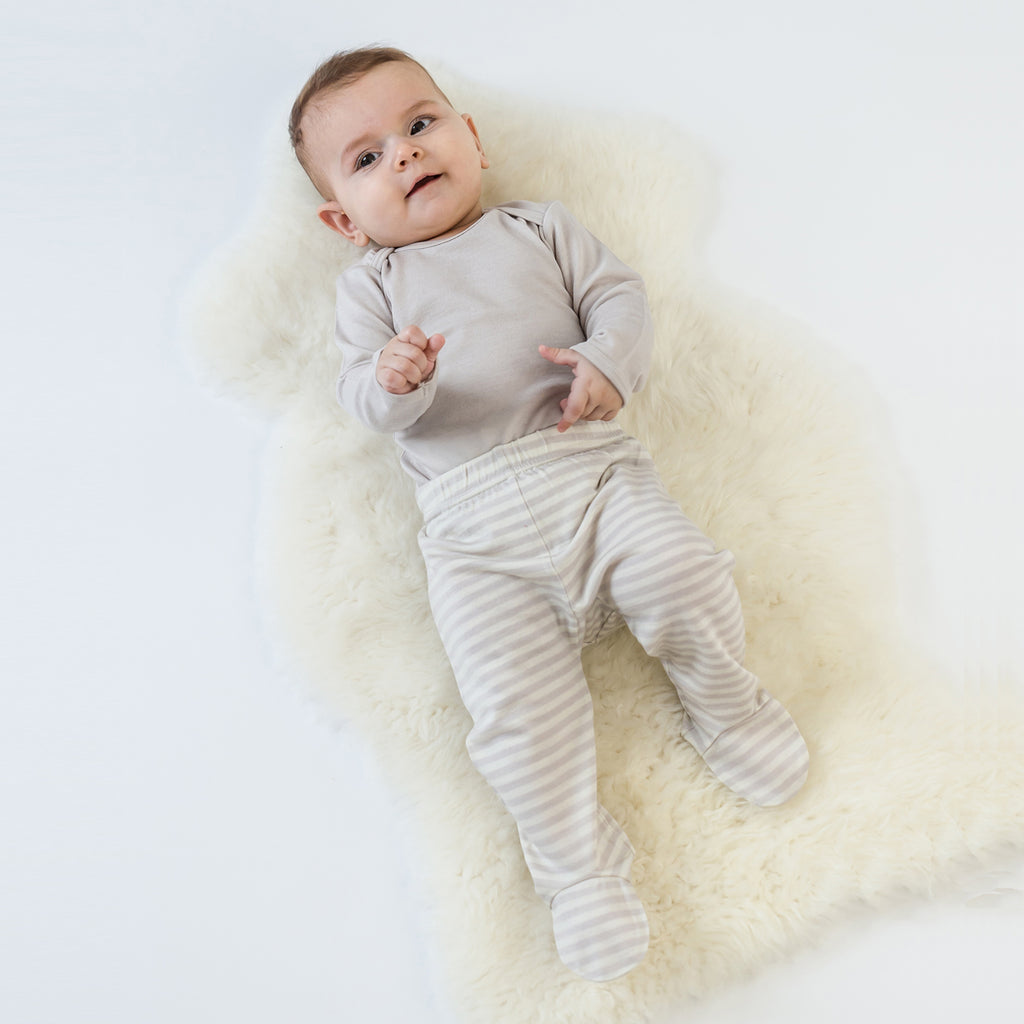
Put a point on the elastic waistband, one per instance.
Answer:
(469, 479)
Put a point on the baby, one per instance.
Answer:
(498, 346)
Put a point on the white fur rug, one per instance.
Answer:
(766, 450)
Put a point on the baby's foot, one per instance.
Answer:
(600, 928)
(763, 758)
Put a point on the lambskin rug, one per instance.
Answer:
(773, 447)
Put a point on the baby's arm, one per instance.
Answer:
(386, 378)
(592, 395)
(609, 298)
(408, 360)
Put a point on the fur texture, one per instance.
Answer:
(764, 449)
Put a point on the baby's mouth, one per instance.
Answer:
(421, 182)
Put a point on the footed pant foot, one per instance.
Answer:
(763, 758)
(600, 928)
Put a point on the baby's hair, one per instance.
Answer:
(335, 73)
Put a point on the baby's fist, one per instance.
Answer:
(592, 395)
(408, 360)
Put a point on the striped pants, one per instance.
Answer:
(532, 551)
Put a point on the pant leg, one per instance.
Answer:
(512, 643)
(677, 595)
(520, 677)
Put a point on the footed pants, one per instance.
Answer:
(534, 550)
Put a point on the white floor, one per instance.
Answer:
(183, 839)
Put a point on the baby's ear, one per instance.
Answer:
(337, 220)
(484, 162)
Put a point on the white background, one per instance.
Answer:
(182, 838)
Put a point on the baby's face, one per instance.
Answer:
(402, 165)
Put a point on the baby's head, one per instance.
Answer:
(392, 159)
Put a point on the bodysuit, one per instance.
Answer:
(523, 275)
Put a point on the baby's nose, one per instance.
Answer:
(405, 152)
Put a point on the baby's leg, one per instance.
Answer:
(520, 676)
(677, 595)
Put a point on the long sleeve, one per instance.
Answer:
(609, 299)
(363, 326)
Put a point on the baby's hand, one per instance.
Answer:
(592, 395)
(408, 360)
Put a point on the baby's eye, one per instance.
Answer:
(365, 159)
(419, 124)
